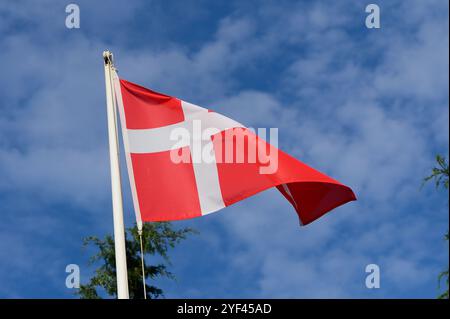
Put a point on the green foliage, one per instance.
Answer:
(440, 173)
(440, 176)
(157, 239)
(443, 276)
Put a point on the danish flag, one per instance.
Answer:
(165, 190)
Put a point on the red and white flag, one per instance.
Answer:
(177, 176)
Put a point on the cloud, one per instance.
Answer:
(367, 107)
(360, 123)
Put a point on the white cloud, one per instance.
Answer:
(372, 123)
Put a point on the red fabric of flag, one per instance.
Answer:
(164, 190)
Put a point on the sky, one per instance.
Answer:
(369, 107)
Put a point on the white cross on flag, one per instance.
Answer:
(220, 162)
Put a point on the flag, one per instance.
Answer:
(186, 161)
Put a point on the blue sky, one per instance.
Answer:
(368, 107)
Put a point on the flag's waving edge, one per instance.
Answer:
(163, 190)
(119, 104)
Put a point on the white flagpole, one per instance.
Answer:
(116, 188)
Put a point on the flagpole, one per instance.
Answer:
(116, 188)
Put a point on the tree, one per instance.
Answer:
(440, 173)
(440, 176)
(157, 239)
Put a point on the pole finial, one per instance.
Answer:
(108, 57)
